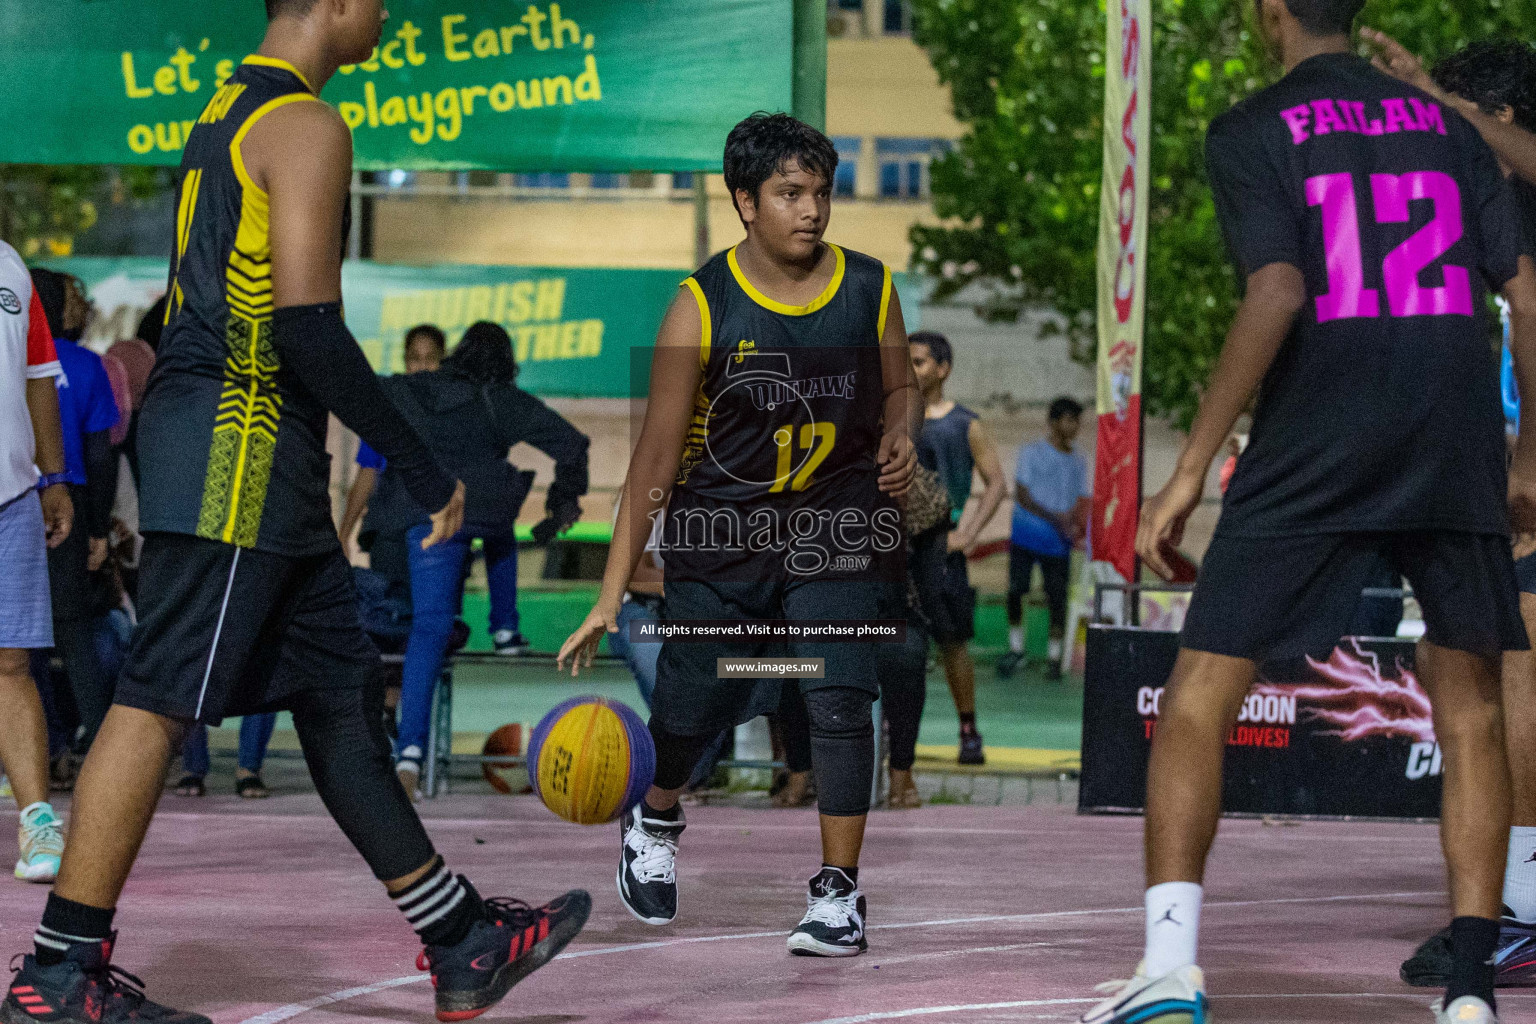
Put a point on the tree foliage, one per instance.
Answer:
(1020, 193)
(43, 208)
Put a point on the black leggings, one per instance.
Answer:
(342, 734)
(842, 745)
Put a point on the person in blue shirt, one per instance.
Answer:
(88, 413)
(1051, 482)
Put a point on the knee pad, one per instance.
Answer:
(842, 749)
(839, 712)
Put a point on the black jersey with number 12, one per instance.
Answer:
(1381, 410)
(786, 426)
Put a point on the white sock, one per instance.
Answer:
(1016, 639)
(1173, 927)
(1520, 873)
(1053, 649)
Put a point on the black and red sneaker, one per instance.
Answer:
(514, 941)
(84, 989)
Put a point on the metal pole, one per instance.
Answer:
(701, 251)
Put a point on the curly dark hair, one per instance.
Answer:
(765, 143)
(1494, 74)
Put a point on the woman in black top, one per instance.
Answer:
(471, 413)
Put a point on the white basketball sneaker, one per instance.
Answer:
(1175, 998)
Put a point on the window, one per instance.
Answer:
(400, 179)
(904, 166)
(683, 181)
(544, 180)
(845, 179)
(607, 181)
(898, 17)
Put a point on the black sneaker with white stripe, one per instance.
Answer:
(833, 924)
(647, 877)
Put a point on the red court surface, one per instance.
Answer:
(976, 915)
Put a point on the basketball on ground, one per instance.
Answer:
(591, 759)
(505, 776)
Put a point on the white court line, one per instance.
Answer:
(484, 825)
(282, 1013)
(922, 1011)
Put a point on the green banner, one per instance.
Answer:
(573, 329)
(504, 85)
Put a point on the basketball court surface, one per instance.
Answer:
(976, 915)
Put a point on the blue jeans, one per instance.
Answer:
(255, 734)
(437, 594)
(640, 657)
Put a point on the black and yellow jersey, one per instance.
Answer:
(787, 419)
(232, 448)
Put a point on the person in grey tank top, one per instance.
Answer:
(954, 445)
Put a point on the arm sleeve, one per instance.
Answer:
(315, 344)
(100, 482)
(1259, 224)
(42, 358)
(525, 418)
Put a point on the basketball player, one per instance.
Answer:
(1367, 221)
(954, 444)
(246, 602)
(1493, 85)
(777, 434)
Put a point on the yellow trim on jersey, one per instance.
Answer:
(885, 301)
(704, 324)
(278, 62)
(779, 307)
(266, 108)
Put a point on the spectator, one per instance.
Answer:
(379, 501)
(137, 360)
(30, 524)
(1051, 493)
(471, 413)
(87, 412)
(255, 734)
(643, 603)
(954, 445)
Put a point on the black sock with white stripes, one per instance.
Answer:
(440, 905)
(67, 923)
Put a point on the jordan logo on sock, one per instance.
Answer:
(1532, 858)
(1168, 916)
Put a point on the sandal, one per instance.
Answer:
(191, 785)
(903, 792)
(251, 788)
(799, 791)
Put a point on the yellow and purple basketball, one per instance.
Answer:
(591, 759)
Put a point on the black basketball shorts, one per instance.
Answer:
(1279, 597)
(691, 699)
(226, 631)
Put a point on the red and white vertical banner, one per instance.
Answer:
(1122, 283)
